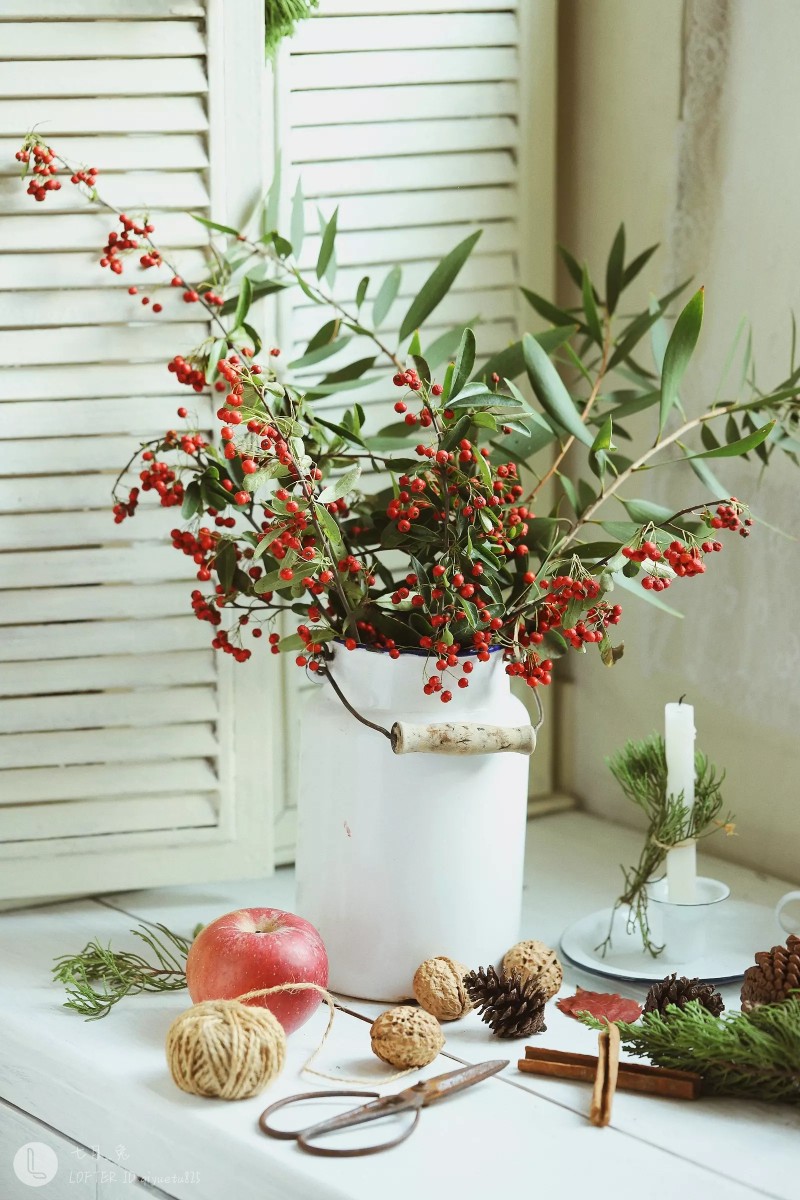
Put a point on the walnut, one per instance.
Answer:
(439, 988)
(534, 958)
(406, 1037)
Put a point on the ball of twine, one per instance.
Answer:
(225, 1049)
(439, 988)
(406, 1037)
(532, 958)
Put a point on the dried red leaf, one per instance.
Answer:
(608, 1005)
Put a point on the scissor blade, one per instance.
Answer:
(444, 1085)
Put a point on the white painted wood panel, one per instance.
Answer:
(406, 30)
(400, 66)
(172, 114)
(70, 641)
(29, 785)
(79, 819)
(102, 39)
(30, 10)
(424, 101)
(89, 231)
(101, 601)
(27, 272)
(134, 709)
(383, 247)
(107, 746)
(133, 415)
(347, 8)
(134, 190)
(176, 152)
(49, 677)
(311, 143)
(50, 530)
(57, 309)
(66, 567)
(437, 206)
(87, 344)
(105, 77)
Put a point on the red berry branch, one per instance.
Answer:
(449, 557)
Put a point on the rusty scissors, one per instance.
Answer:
(411, 1100)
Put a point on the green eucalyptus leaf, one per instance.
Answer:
(551, 392)
(678, 353)
(615, 270)
(214, 225)
(576, 274)
(465, 360)
(297, 226)
(636, 589)
(590, 308)
(387, 294)
(635, 267)
(259, 290)
(342, 431)
(644, 511)
(361, 291)
(445, 347)
(329, 527)
(603, 439)
(437, 285)
(244, 302)
(632, 335)
(740, 446)
(310, 358)
(225, 563)
(550, 312)
(325, 257)
(272, 207)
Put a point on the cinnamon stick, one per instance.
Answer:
(632, 1077)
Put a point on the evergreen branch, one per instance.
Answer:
(98, 977)
(753, 1054)
(640, 769)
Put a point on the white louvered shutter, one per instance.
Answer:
(421, 120)
(129, 755)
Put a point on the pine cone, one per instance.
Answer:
(679, 991)
(774, 977)
(512, 1007)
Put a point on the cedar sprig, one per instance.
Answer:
(754, 1054)
(98, 977)
(640, 769)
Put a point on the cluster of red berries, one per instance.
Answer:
(203, 610)
(43, 171)
(133, 291)
(532, 669)
(89, 177)
(158, 477)
(119, 242)
(200, 548)
(729, 516)
(185, 373)
(127, 508)
(221, 641)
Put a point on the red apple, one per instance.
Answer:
(259, 948)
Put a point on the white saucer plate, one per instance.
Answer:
(737, 929)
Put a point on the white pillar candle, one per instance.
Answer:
(679, 733)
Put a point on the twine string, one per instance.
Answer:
(332, 1006)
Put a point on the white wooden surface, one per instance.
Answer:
(105, 1085)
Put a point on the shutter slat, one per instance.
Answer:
(404, 173)
(91, 379)
(101, 601)
(29, 785)
(89, 231)
(320, 142)
(162, 190)
(101, 39)
(107, 746)
(48, 677)
(64, 567)
(317, 71)
(32, 10)
(405, 101)
(172, 114)
(96, 343)
(387, 246)
(99, 77)
(347, 8)
(139, 415)
(107, 709)
(181, 152)
(91, 637)
(326, 34)
(405, 209)
(51, 456)
(80, 819)
(34, 272)
(50, 530)
(456, 307)
(59, 309)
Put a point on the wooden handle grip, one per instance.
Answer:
(462, 738)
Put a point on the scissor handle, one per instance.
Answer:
(288, 1135)
(379, 1108)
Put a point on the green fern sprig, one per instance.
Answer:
(755, 1054)
(640, 768)
(98, 977)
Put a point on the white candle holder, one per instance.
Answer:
(682, 927)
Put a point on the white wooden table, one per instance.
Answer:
(100, 1095)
